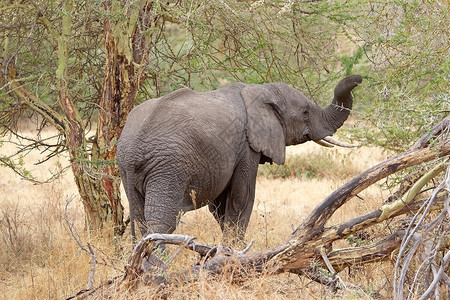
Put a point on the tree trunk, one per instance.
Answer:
(124, 67)
(98, 188)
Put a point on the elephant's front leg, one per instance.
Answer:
(239, 204)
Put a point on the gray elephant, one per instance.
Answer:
(188, 149)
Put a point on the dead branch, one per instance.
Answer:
(308, 242)
(87, 248)
(312, 231)
(90, 249)
(419, 235)
(440, 130)
(343, 258)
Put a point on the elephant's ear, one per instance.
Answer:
(264, 124)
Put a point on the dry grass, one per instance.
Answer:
(39, 259)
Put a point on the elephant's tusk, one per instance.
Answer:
(324, 143)
(330, 142)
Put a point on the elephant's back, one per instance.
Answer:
(186, 111)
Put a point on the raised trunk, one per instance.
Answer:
(338, 111)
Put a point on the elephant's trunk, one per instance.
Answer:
(338, 111)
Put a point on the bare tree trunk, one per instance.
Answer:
(99, 185)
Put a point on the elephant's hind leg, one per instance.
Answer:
(218, 206)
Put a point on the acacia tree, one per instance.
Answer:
(126, 38)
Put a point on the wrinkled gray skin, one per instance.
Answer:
(211, 144)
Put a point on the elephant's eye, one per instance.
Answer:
(306, 114)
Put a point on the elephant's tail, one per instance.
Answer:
(128, 179)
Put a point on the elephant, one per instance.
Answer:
(189, 149)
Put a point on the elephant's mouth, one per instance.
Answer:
(305, 138)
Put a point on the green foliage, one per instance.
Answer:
(32, 32)
(408, 51)
(400, 47)
(348, 62)
(18, 165)
(215, 43)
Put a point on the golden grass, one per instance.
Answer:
(39, 259)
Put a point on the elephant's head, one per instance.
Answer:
(279, 115)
